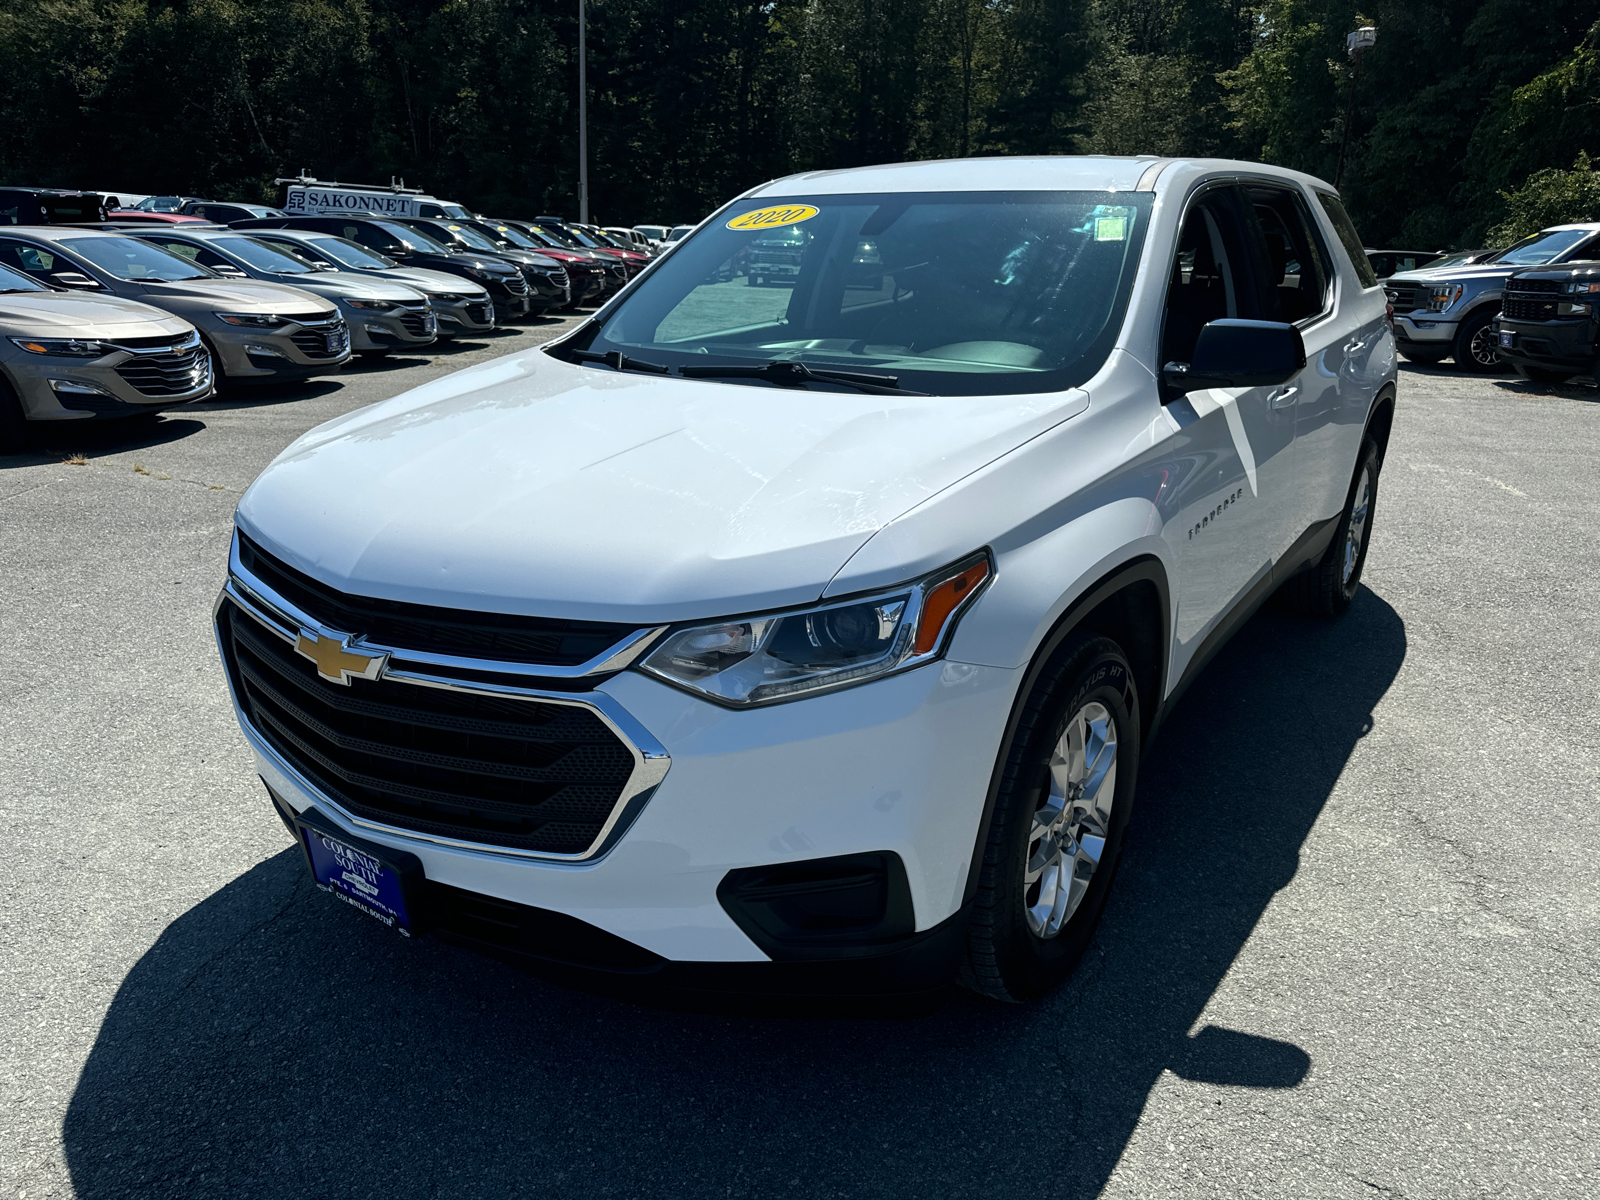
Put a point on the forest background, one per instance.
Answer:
(692, 101)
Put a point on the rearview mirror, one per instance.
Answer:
(1238, 354)
(75, 279)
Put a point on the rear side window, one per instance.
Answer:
(1346, 229)
(1298, 272)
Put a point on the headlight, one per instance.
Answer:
(1570, 309)
(1444, 296)
(64, 347)
(767, 659)
(1582, 287)
(253, 320)
(369, 305)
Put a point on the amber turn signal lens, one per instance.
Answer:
(944, 600)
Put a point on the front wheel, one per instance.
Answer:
(1065, 795)
(1476, 347)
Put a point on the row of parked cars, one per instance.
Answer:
(110, 312)
(1533, 306)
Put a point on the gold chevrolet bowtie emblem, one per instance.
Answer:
(336, 662)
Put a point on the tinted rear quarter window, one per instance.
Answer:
(1349, 238)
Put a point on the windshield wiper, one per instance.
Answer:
(618, 361)
(788, 372)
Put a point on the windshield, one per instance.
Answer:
(517, 238)
(262, 256)
(472, 237)
(963, 293)
(410, 237)
(16, 281)
(1542, 247)
(351, 254)
(133, 260)
(560, 237)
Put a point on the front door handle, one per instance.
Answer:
(1283, 397)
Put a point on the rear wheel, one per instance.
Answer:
(1059, 818)
(1476, 349)
(1327, 589)
(1543, 374)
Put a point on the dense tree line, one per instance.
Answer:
(691, 101)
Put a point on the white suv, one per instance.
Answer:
(807, 636)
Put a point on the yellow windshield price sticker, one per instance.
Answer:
(778, 214)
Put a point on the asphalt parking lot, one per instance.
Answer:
(1352, 951)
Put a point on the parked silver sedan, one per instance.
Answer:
(462, 307)
(67, 356)
(256, 332)
(382, 315)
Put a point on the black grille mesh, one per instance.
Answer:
(523, 774)
(1536, 307)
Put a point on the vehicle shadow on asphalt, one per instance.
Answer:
(273, 1043)
(262, 395)
(51, 442)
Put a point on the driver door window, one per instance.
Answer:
(1205, 284)
(28, 259)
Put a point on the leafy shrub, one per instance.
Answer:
(1550, 197)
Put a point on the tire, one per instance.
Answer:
(1427, 358)
(1543, 374)
(1474, 348)
(13, 425)
(1024, 935)
(1327, 589)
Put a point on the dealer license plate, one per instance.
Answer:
(1507, 340)
(338, 341)
(380, 882)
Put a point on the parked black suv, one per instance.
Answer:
(49, 206)
(507, 288)
(1549, 322)
(548, 285)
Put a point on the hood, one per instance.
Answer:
(529, 485)
(68, 314)
(433, 282)
(1456, 274)
(342, 285)
(248, 295)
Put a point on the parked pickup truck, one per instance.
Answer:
(1549, 323)
(1449, 312)
(737, 642)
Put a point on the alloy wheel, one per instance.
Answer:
(1484, 348)
(1356, 531)
(1070, 826)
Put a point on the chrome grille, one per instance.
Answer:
(172, 374)
(325, 341)
(416, 324)
(482, 312)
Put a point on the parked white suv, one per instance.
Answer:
(808, 636)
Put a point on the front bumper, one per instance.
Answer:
(897, 767)
(460, 317)
(397, 329)
(298, 350)
(123, 383)
(1568, 345)
(1429, 328)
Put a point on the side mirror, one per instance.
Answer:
(75, 280)
(229, 271)
(1236, 354)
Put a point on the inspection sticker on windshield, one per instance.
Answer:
(1110, 229)
(778, 214)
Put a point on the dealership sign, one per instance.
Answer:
(323, 202)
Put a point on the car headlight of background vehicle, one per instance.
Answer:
(253, 320)
(1444, 296)
(369, 305)
(64, 347)
(767, 659)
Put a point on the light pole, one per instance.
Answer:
(583, 122)
(1355, 45)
